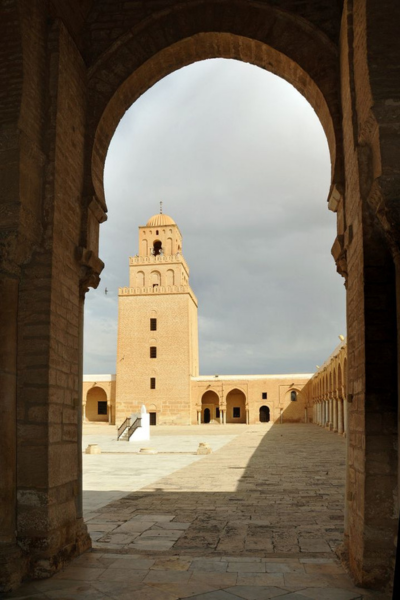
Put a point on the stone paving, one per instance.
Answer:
(258, 518)
(123, 471)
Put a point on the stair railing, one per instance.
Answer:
(137, 423)
(122, 428)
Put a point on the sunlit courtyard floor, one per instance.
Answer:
(260, 517)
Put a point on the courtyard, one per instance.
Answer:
(260, 517)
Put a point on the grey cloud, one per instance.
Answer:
(241, 163)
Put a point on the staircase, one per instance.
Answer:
(126, 430)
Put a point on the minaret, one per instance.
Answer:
(157, 351)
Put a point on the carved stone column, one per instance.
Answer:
(335, 414)
(340, 416)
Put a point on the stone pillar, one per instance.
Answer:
(335, 415)
(8, 421)
(79, 496)
(247, 416)
(345, 415)
(330, 409)
(11, 561)
(50, 322)
(340, 416)
(368, 85)
(199, 417)
(109, 414)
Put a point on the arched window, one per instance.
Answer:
(157, 247)
(155, 278)
(293, 395)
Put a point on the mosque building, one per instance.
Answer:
(158, 353)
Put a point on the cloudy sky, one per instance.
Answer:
(241, 163)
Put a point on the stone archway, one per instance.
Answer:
(137, 78)
(96, 405)
(236, 406)
(210, 407)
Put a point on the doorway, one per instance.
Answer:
(264, 414)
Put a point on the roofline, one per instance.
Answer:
(99, 377)
(216, 378)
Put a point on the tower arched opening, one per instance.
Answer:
(157, 248)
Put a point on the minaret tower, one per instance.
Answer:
(157, 350)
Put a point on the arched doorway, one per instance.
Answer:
(210, 407)
(96, 405)
(264, 414)
(236, 406)
(327, 107)
(152, 410)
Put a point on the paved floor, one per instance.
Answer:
(258, 518)
(119, 470)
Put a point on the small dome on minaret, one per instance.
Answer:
(160, 220)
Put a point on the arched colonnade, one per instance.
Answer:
(328, 392)
(229, 407)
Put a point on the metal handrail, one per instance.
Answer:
(122, 428)
(137, 423)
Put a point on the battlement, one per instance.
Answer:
(157, 290)
(156, 260)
